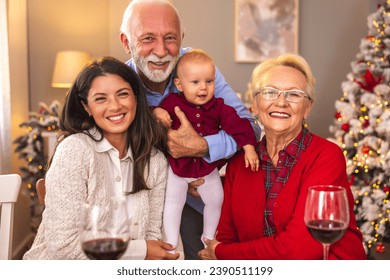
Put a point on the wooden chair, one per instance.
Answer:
(9, 191)
(41, 191)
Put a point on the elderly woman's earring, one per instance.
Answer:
(304, 123)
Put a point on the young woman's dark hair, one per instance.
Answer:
(144, 132)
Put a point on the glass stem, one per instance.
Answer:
(326, 251)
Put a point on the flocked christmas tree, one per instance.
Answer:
(362, 129)
(31, 149)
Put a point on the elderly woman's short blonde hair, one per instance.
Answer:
(290, 60)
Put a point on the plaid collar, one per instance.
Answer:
(275, 177)
(294, 149)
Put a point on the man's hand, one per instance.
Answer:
(185, 141)
(193, 187)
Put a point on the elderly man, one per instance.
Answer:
(152, 33)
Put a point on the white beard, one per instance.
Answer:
(156, 76)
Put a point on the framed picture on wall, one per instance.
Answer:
(265, 28)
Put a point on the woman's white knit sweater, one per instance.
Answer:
(78, 175)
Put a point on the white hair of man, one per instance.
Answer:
(129, 24)
(127, 20)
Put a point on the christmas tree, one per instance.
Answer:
(362, 129)
(31, 150)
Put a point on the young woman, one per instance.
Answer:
(109, 146)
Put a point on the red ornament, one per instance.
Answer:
(386, 188)
(41, 110)
(368, 81)
(337, 115)
(366, 123)
(345, 127)
(380, 248)
(365, 149)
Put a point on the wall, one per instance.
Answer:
(116, 10)
(330, 36)
(56, 25)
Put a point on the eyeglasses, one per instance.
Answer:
(293, 96)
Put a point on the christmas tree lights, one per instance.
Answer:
(362, 129)
(31, 149)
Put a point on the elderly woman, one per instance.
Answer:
(262, 214)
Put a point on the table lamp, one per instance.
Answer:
(68, 64)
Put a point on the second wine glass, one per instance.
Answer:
(107, 232)
(326, 214)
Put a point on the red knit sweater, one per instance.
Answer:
(241, 225)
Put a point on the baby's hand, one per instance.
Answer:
(162, 116)
(251, 158)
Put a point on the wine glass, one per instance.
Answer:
(326, 214)
(106, 234)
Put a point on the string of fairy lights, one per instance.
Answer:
(36, 134)
(360, 165)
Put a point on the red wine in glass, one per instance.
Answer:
(326, 214)
(104, 248)
(326, 231)
(106, 234)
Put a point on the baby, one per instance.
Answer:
(208, 115)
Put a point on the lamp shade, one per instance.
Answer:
(67, 66)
